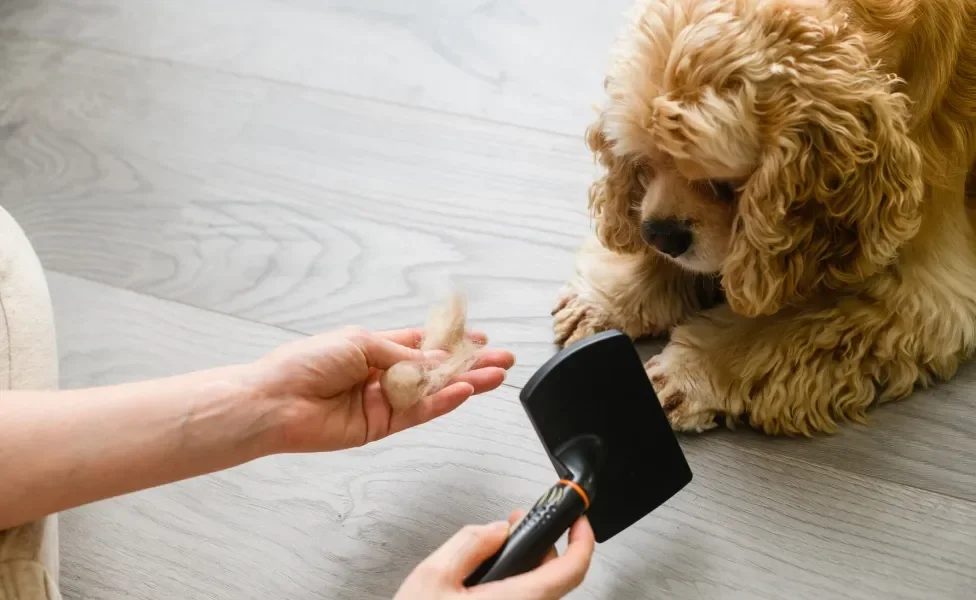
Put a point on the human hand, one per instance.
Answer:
(323, 392)
(441, 575)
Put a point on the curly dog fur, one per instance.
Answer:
(815, 155)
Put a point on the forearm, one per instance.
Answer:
(62, 449)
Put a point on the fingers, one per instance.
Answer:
(433, 406)
(487, 373)
(581, 534)
(555, 578)
(488, 365)
(565, 573)
(482, 380)
(466, 549)
(449, 398)
(383, 353)
(513, 521)
(491, 357)
(384, 349)
(412, 337)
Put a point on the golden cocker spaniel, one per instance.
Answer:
(783, 190)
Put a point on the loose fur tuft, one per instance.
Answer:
(407, 382)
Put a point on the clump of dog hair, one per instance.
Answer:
(407, 382)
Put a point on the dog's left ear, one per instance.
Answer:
(839, 186)
(614, 198)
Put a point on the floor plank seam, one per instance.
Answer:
(201, 308)
(175, 302)
(369, 197)
(285, 83)
(787, 459)
(200, 195)
(752, 451)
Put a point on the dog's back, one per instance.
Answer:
(931, 45)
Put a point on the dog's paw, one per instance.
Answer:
(684, 387)
(575, 318)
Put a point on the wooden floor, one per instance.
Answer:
(206, 179)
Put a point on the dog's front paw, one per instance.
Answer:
(684, 386)
(575, 318)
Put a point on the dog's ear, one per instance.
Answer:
(615, 197)
(838, 189)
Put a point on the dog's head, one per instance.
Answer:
(757, 140)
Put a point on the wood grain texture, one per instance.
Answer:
(539, 64)
(286, 206)
(351, 525)
(309, 211)
(280, 167)
(926, 441)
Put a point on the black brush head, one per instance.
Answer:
(598, 387)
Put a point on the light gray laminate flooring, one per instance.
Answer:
(205, 180)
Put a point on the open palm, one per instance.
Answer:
(326, 390)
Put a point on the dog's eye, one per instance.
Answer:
(723, 190)
(644, 172)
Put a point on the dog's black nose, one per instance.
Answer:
(669, 236)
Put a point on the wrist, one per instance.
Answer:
(261, 411)
(231, 405)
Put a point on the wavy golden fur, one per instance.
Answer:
(784, 192)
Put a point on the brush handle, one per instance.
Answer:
(531, 538)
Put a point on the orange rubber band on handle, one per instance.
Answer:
(579, 490)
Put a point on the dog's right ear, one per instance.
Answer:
(839, 190)
(615, 198)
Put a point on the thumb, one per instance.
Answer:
(382, 353)
(467, 549)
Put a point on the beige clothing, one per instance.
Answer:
(28, 360)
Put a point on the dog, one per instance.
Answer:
(782, 191)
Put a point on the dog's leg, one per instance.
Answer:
(804, 371)
(641, 295)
